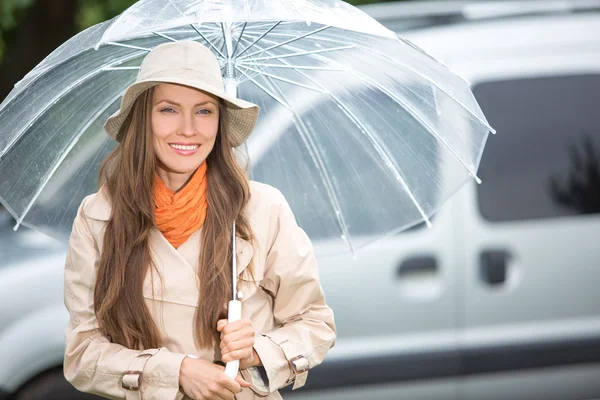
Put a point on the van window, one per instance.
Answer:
(544, 162)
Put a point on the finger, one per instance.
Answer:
(242, 382)
(245, 331)
(238, 345)
(221, 394)
(236, 336)
(231, 385)
(227, 394)
(247, 344)
(237, 325)
(237, 355)
(220, 389)
(221, 324)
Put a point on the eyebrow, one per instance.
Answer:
(195, 105)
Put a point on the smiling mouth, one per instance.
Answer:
(186, 147)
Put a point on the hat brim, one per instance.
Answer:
(241, 115)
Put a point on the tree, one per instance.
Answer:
(32, 29)
(579, 191)
(42, 27)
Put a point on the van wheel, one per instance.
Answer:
(50, 385)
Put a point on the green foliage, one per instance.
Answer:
(92, 12)
(10, 11)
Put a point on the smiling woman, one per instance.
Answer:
(185, 122)
(148, 277)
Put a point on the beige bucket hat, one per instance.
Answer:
(191, 64)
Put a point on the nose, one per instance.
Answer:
(187, 126)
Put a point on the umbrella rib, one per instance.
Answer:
(312, 148)
(224, 45)
(208, 41)
(287, 41)
(165, 36)
(73, 84)
(239, 38)
(418, 117)
(405, 65)
(434, 84)
(59, 95)
(129, 46)
(389, 161)
(46, 67)
(282, 79)
(310, 67)
(57, 164)
(267, 91)
(260, 25)
(301, 53)
(256, 41)
(121, 68)
(182, 13)
(193, 4)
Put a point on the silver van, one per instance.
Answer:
(500, 299)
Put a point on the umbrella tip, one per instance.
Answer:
(17, 226)
(477, 179)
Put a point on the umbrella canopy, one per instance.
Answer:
(362, 131)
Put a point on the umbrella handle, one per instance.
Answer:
(233, 314)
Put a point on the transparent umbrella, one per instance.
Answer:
(363, 132)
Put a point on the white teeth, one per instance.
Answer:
(182, 147)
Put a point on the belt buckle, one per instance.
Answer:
(300, 369)
(137, 386)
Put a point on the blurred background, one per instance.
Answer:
(500, 299)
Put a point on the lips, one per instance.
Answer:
(185, 149)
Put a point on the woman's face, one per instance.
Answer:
(184, 127)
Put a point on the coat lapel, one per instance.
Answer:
(177, 267)
(244, 253)
(179, 281)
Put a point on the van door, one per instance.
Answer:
(532, 241)
(395, 310)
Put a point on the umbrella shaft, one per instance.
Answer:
(230, 82)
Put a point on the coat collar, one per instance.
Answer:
(99, 208)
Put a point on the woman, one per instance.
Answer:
(148, 276)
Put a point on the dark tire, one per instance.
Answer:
(50, 385)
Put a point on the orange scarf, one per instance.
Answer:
(179, 214)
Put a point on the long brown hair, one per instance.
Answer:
(128, 173)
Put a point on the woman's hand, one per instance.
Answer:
(203, 380)
(237, 341)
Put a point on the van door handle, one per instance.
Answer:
(494, 265)
(418, 265)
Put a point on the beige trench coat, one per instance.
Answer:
(285, 302)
